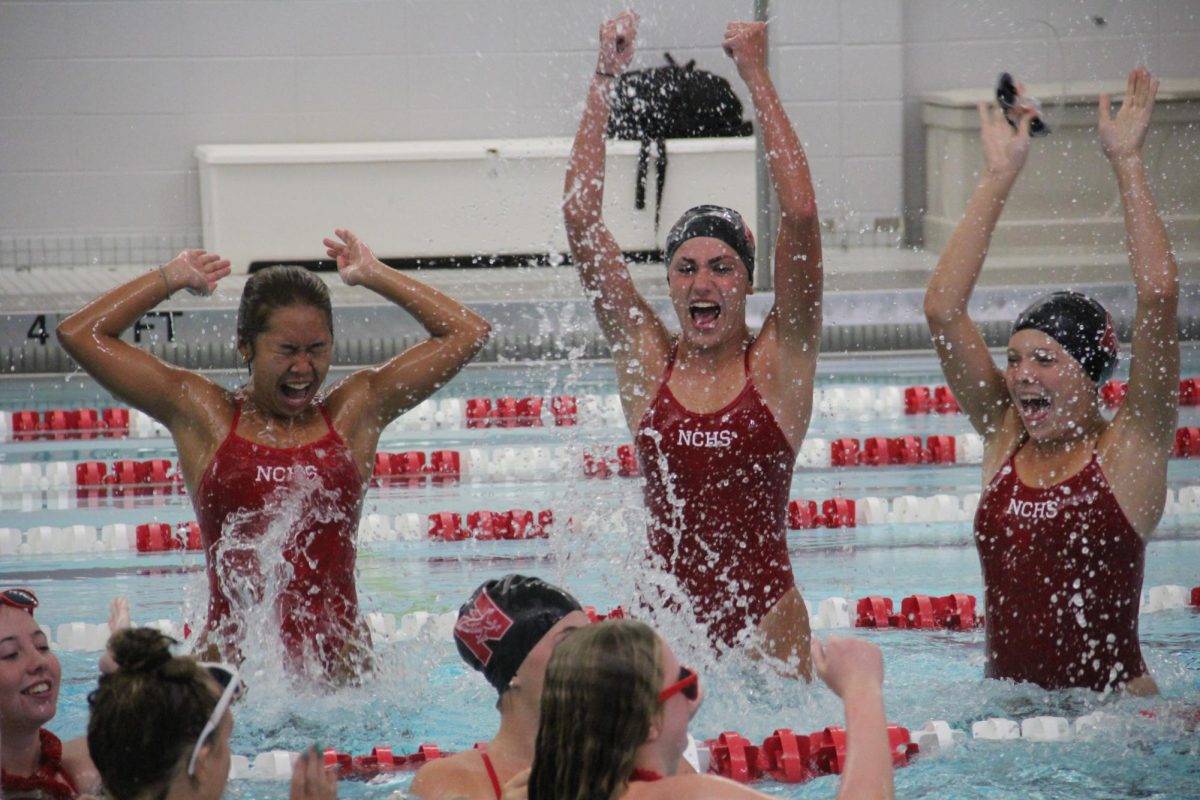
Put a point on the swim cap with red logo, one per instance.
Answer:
(1080, 325)
(504, 620)
(716, 222)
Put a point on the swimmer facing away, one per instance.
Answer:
(616, 708)
(279, 449)
(717, 413)
(160, 726)
(506, 630)
(1069, 498)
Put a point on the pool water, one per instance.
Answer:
(421, 692)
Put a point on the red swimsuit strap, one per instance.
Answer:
(491, 771)
(644, 775)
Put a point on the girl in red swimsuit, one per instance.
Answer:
(694, 399)
(279, 464)
(34, 763)
(616, 706)
(1069, 497)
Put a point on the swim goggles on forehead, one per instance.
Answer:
(23, 599)
(232, 688)
(688, 684)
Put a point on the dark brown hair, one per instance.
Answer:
(147, 715)
(274, 288)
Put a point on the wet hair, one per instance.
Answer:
(599, 698)
(279, 287)
(147, 715)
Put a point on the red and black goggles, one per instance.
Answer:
(24, 599)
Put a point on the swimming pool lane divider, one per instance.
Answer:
(917, 612)
(516, 524)
(859, 402)
(782, 757)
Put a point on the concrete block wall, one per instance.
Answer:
(103, 103)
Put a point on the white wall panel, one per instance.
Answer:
(103, 103)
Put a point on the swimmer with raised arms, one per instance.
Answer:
(279, 448)
(717, 413)
(1069, 498)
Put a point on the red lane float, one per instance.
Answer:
(565, 409)
(790, 758)
(156, 476)
(616, 613)
(515, 524)
(881, 451)
(160, 537)
(412, 468)
(953, 612)
(381, 760)
(836, 512)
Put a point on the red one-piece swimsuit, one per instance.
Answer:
(48, 782)
(1062, 576)
(717, 489)
(282, 522)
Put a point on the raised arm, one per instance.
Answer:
(369, 399)
(1144, 428)
(92, 336)
(971, 373)
(853, 669)
(638, 339)
(791, 333)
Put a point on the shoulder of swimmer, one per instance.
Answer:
(694, 785)
(77, 764)
(461, 775)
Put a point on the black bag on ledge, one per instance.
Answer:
(671, 102)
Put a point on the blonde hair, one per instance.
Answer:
(599, 698)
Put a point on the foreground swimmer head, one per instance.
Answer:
(1052, 464)
(281, 448)
(33, 760)
(1063, 348)
(160, 726)
(717, 401)
(710, 271)
(507, 630)
(616, 709)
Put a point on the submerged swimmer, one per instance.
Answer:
(279, 451)
(717, 413)
(34, 763)
(1069, 498)
(616, 708)
(507, 630)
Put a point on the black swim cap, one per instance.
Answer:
(504, 620)
(1080, 325)
(716, 222)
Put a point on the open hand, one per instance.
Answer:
(847, 665)
(746, 44)
(1122, 136)
(1004, 149)
(310, 779)
(617, 43)
(195, 270)
(354, 259)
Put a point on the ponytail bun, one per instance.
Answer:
(140, 649)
